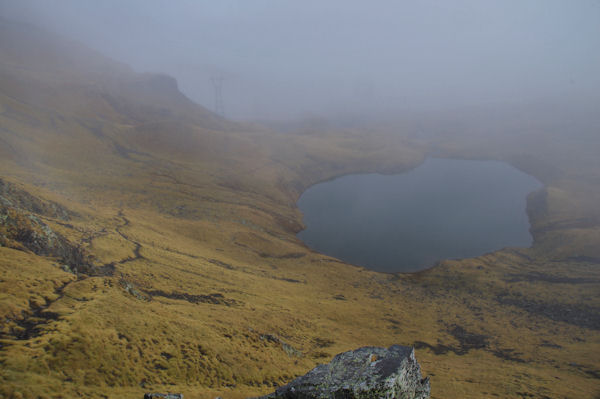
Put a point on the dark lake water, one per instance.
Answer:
(442, 209)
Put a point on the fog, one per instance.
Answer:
(284, 60)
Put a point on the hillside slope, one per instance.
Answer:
(147, 244)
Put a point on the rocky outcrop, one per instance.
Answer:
(11, 196)
(163, 396)
(22, 227)
(27, 232)
(368, 372)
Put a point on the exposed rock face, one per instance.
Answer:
(26, 231)
(12, 196)
(368, 372)
(22, 228)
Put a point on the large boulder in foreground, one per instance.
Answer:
(368, 372)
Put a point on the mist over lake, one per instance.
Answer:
(442, 209)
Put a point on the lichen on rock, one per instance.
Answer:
(368, 372)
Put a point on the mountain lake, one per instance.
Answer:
(442, 209)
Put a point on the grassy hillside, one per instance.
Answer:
(147, 244)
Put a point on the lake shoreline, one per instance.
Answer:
(499, 171)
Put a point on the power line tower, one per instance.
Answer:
(217, 81)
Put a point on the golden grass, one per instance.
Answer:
(213, 295)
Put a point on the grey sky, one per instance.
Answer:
(283, 59)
